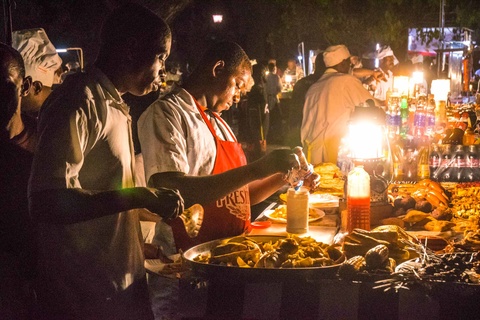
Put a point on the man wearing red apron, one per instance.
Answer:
(186, 144)
(227, 216)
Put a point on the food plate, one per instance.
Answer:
(168, 270)
(278, 215)
(318, 200)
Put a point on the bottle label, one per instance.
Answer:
(434, 161)
(472, 162)
(460, 163)
(446, 162)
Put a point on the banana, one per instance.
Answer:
(419, 194)
(438, 196)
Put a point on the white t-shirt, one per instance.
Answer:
(383, 86)
(85, 142)
(329, 102)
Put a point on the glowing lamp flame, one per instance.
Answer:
(365, 141)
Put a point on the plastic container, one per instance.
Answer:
(358, 199)
(297, 210)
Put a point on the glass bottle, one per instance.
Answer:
(434, 160)
(472, 164)
(459, 164)
(420, 118)
(404, 112)
(446, 174)
(423, 167)
(430, 112)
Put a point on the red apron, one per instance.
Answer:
(226, 217)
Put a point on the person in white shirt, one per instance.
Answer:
(328, 105)
(387, 62)
(187, 145)
(82, 190)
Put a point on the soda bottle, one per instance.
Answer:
(397, 161)
(446, 174)
(420, 118)
(393, 116)
(459, 164)
(434, 160)
(469, 137)
(430, 112)
(410, 163)
(472, 164)
(412, 107)
(404, 117)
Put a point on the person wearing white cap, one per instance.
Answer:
(41, 61)
(328, 105)
(387, 61)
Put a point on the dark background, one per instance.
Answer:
(264, 28)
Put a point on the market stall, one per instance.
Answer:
(398, 212)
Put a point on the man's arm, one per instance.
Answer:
(206, 189)
(370, 74)
(67, 206)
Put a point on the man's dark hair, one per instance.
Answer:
(230, 52)
(11, 58)
(271, 67)
(132, 21)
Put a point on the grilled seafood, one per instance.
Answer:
(290, 252)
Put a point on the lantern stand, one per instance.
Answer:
(368, 146)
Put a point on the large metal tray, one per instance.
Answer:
(237, 274)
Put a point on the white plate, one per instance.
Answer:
(320, 200)
(314, 214)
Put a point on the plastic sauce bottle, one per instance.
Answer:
(358, 199)
(297, 210)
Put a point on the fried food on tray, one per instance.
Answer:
(289, 252)
(331, 179)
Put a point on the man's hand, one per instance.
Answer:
(312, 181)
(167, 203)
(378, 75)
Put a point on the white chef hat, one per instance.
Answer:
(386, 51)
(333, 55)
(39, 55)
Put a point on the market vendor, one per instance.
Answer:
(328, 105)
(387, 61)
(186, 145)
